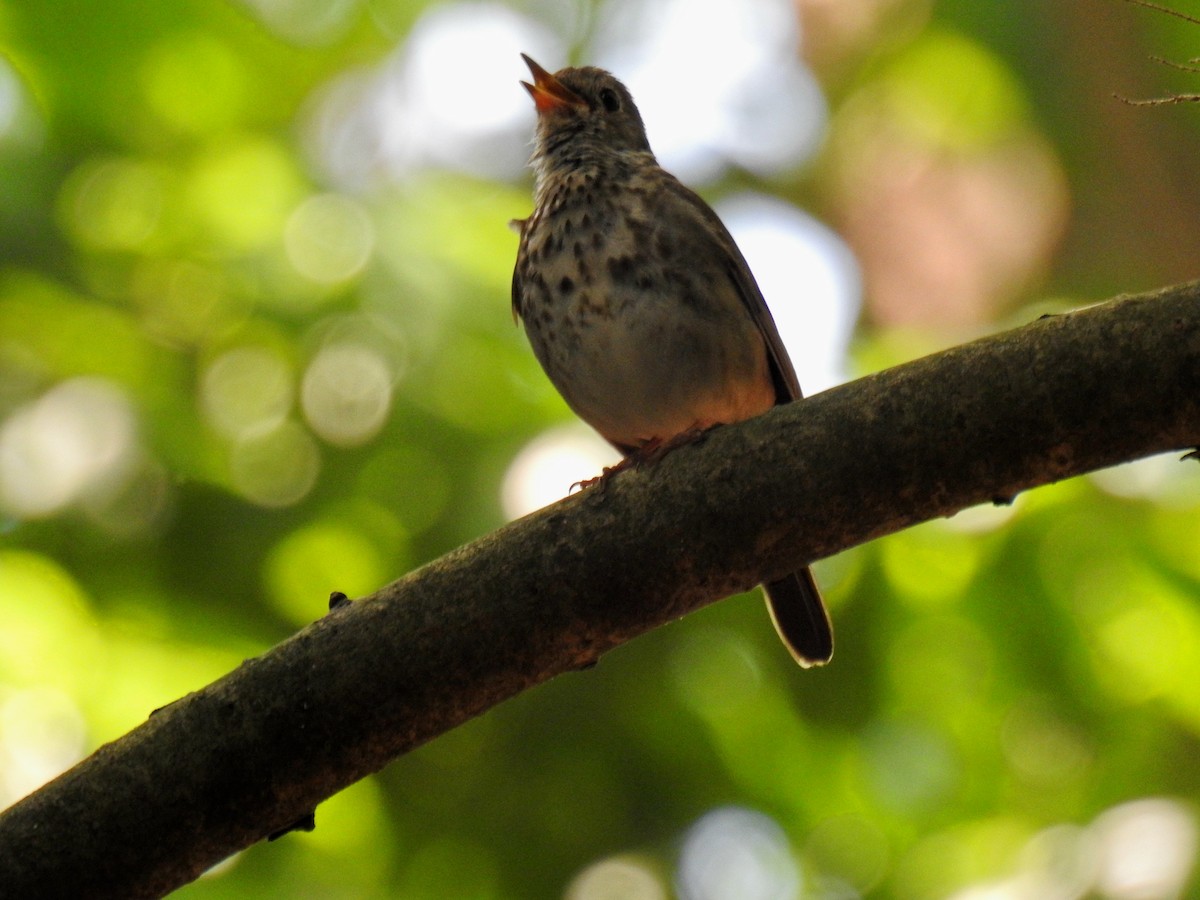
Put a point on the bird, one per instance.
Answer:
(638, 304)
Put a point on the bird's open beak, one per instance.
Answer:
(548, 92)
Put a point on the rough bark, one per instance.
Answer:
(255, 751)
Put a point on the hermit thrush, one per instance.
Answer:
(639, 305)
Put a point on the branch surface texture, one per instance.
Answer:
(257, 750)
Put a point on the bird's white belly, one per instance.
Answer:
(652, 371)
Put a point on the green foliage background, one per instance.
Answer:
(996, 675)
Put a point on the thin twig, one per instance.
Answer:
(1165, 9)
(1159, 101)
(1183, 67)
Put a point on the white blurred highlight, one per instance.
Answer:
(726, 85)
(1141, 850)
(733, 852)
(21, 125)
(42, 734)
(329, 238)
(246, 390)
(11, 100)
(616, 879)
(545, 468)
(1164, 479)
(79, 437)
(982, 519)
(809, 278)
(449, 97)
(449, 50)
(306, 22)
(346, 393)
(1147, 849)
(275, 468)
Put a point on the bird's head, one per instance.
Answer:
(584, 105)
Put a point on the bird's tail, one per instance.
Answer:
(800, 618)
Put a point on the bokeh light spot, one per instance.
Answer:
(243, 190)
(455, 116)
(1147, 849)
(246, 390)
(42, 734)
(306, 22)
(617, 878)
(809, 278)
(351, 824)
(939, 864)
(1140, 850)
(952, 201)
(725, 85)
(277, 467)
(329, 238)
(1163, 479)
(851, 848)
(1042, 747)
(734, 852)
(1057, 862)
(931, 565)
(346, 393)
(48, 625)
(455, 98)
(17, 122)
(78, 437)
(981, 519)
(956, 93)
(442, 100)
(545, 468)
(909, 766)
(316, 559)
(195, 82)
(113, 204)
(184, 302)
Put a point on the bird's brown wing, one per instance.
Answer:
(516, 278)
(516, 292)
(787, 385)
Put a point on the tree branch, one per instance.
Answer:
(253, 752)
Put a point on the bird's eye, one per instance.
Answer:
(610, 99)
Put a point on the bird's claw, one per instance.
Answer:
(647, 454)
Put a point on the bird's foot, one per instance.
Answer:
(606, 473)
(647, 454)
